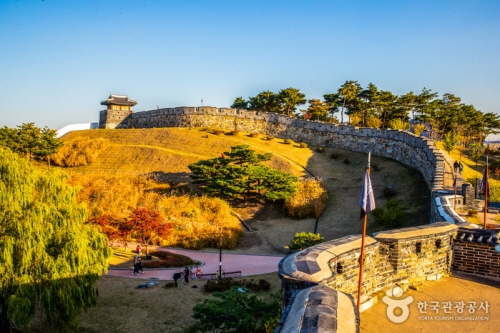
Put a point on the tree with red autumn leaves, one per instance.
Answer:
(146, 224)
(109, 226)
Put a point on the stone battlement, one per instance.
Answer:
(415, 151)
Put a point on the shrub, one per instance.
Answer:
(303, 145)
(269, 137)
(347, 161)
(218, 132)
(309, 200)
(226, 284)
(335, 156)
(254, 135)
(391, 216)
(80, 151)
(235, 133)
(287, 141)
(320, 150)
(218, 285)
(389, 192)
(168, 259)
(304, 240)
(418, 129)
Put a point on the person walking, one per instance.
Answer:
(136, 266)
(139, 265)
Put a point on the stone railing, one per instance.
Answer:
(404, 257)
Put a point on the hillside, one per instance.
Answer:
(168, 151)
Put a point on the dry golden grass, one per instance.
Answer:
(171, 150)
(122, 307)
(168, 151)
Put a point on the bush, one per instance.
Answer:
(304, 240)
(320, 150)
(80, 151)
(347, 161)
(391, 216)
(235, 133)
(287, 141)
(168, 259)
(254, 135)
(309, 200)
(303, 145)
(218, 132)
(335, 156)
(269, 137)
(226, 284)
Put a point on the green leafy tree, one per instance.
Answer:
(240, 103)
(289, 98)
(30, 141)
(51, 260)
(349, 92)
(476, 151)
(239, 173)
(233, 311)
(317, 110)
(450, 140)
(265, 101)
(333, 102)
(49, 144)
(303, 240)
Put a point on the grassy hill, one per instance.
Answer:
(168, 151)
(171, 150)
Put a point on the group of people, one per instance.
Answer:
(458, 167)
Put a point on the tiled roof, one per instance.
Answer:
(481, 236)
(118, 100)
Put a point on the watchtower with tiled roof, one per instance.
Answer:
(119, 109)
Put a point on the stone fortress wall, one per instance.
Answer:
(415, 151)
(318, 283)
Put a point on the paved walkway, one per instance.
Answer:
(247, 264)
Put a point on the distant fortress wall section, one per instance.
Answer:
(114, 118)
(415, 151)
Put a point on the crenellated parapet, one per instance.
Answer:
(415, 151)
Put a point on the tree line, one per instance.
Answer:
(30, 141)
(373, 107)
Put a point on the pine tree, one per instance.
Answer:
(51, 260)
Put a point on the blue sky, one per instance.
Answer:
(59, 59)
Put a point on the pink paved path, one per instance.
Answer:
(246, 263)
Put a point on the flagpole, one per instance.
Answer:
(362, 255)
(486, 188)
(455, 186)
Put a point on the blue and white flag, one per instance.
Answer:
(485, 184)
(366, 200)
